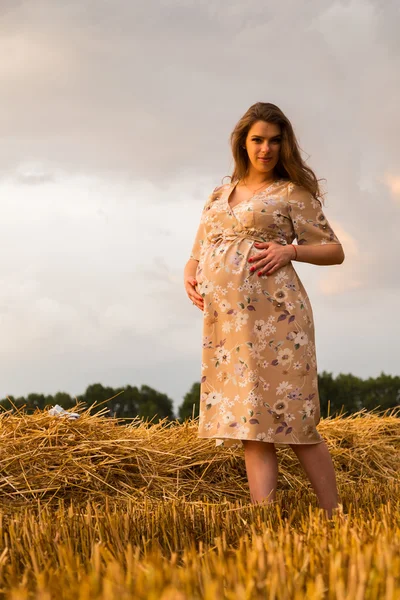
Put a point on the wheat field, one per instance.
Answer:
(95, 509)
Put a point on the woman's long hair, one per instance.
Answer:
(290, 164)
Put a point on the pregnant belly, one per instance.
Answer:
(224, 271)
(225, 261)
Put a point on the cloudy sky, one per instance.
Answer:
(114, 128)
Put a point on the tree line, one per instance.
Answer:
(344, 393)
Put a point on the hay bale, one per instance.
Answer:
(46, 457)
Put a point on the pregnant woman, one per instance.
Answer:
(259, 383)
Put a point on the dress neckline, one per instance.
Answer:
(232, 187)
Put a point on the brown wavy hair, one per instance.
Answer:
(290, 164)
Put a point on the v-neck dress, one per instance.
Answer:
(259, 369)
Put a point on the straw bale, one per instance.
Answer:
(46, 457)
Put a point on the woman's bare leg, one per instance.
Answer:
(262, 470)
(318, 466)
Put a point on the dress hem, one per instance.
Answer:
(214, 437)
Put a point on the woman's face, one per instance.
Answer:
(263, 141)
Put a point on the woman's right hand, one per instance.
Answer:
(194, 296)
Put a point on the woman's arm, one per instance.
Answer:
(190, 268)
(189, 279)
(277, 255)
(317, 243)
(326, 254)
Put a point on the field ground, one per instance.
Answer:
(94, 510)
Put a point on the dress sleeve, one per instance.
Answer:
(201, 231)
(309, 222)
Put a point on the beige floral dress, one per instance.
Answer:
(259, 368)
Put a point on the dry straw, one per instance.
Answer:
(97, 457)
(177, 550)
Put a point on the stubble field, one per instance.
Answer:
(93, 509)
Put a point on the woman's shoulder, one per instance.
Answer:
(218, 191)
(289, 185)
(221, 188)
(300, 196)
(296, 190)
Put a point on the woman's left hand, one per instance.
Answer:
(273, 257)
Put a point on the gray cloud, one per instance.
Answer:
(115, 127)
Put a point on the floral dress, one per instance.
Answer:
(259, 368)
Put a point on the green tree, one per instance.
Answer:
(8, 402)
(97, 393)
(382, 391)
(126, 405)
(327, 393)
(345, 393)
(63, 399)
(34, 401)
(153, 403)
(349, 392)
(130, 401)
(191, 403)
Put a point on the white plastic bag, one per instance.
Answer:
(58, 411)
